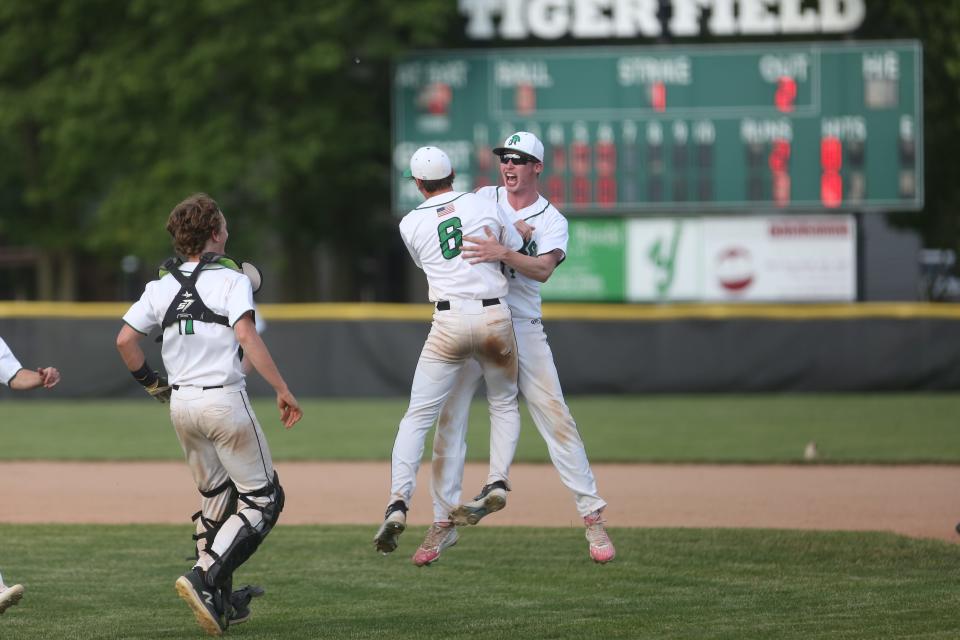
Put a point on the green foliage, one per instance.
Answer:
(113, 111)
(881, 428)
(936, 25)
(498, 582)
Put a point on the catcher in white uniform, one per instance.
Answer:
(17, 378)
(204, 307)
(521, 162)
(471, 324)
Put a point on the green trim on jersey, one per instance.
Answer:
(440, 204)
(534, 215)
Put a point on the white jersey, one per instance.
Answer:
(208, 356)
(9, 365)
(550, 234)
(433, 233)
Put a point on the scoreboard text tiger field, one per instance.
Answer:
(737, 128)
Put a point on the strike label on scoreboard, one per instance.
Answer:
(791, 127)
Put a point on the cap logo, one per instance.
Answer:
(514, 140)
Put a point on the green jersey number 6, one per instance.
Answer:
(451, 238)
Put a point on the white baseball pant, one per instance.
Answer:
(539, 384)
(222, 440)
(467, 333)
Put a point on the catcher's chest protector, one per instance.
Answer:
(187, 306)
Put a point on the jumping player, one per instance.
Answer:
(17, 378)
(204, 307)
(470, 324)
(521, 162)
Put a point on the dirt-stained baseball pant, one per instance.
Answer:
(539, 384)
(466, 333)
(222, 442)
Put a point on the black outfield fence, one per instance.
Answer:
(356, 350)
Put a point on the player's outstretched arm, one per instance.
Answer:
(46, 377)
(489, 249)
(262, 361)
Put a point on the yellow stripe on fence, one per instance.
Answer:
(554, 311)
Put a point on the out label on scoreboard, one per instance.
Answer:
(792, 127)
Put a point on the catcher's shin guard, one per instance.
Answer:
(249, 526)
(218, 504)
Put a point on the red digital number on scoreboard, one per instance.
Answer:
(831, 184)
(556, 190)
(658, 96)
(581, 190)
(786, 94)
(606, 191)
(779, 162)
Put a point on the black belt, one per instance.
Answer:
(444, 305)
(176, 387)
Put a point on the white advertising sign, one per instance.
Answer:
(803, 258)
(788, 258)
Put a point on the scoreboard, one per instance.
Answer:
(769, 128)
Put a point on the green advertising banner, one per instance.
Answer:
(595, 268)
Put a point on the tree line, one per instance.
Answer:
(111, 111)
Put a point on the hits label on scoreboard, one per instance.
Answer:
(792, 127)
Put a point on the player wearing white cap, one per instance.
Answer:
(470, 324)
(17, 378)
(204, 307)
(521, 162)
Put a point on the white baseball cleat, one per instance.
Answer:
(394, 523)
(493, 497)
(10, 596)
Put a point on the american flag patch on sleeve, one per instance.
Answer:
(446, 209)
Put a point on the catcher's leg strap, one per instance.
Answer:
(271, 510)
(217, 490)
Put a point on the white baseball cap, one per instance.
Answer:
(522, 142)
(429, 163)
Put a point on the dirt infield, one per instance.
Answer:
(918, 501)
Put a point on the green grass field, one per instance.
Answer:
(885, 428)
(116, 582)
(327, 582)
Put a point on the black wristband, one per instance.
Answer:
(145, 375)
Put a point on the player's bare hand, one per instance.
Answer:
(49, 377)
(486, 249)
(525, 230)
(290, 411)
